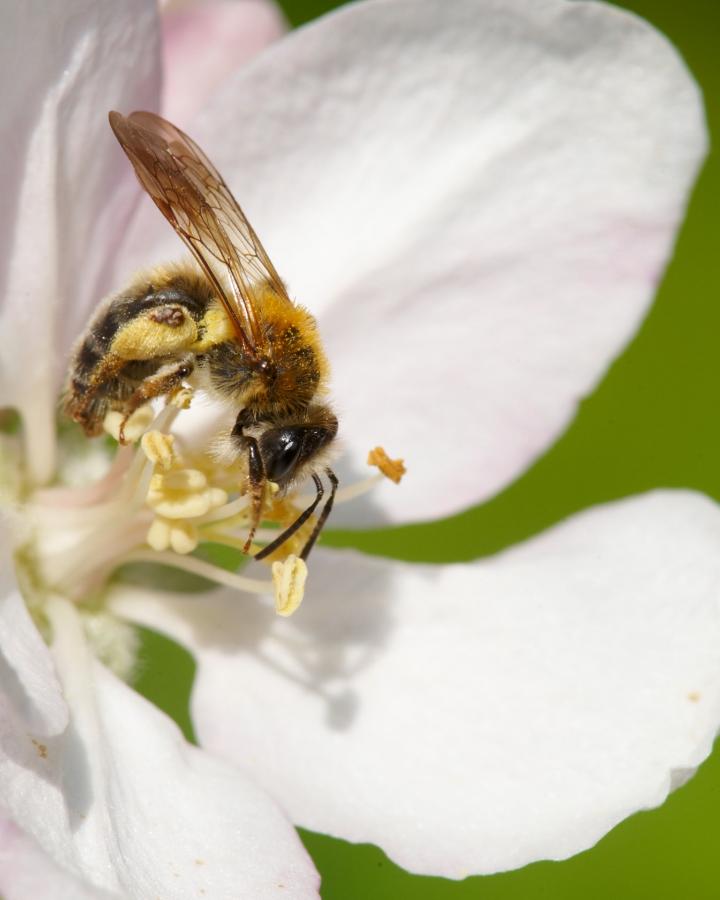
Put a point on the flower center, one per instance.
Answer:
(156, 503)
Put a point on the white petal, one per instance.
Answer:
(473, 718)
(30, 694)
(29, 690)
(478, 198)
(27, 873)
(122, 801)
(205, 42)
(67, 192)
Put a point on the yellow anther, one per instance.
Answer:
(183, 494)
(181, 536)
(179, 504)
(217, 497)
(135, 426)
(394, 469)
(158, 536)
(156, 486)
(289, 583)
(184, 480)
(159, 449)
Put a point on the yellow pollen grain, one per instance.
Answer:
(136, 425)
(42, 750)
(394, 469)
(289, 578)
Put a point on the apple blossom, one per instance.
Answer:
(100, 795)
(477, 200)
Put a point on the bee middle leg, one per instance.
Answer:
(166, 379)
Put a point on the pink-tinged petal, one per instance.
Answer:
(478, 199)
(27, 873)
(123, 802)
(67, 193)
(473, 718)
(205, 42)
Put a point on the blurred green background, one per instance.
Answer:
(653, 422)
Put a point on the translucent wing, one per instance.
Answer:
(192, 196)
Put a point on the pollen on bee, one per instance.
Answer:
(394, 469)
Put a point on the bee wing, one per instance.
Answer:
(193, 197)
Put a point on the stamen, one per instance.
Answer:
(157, 504)
(227, 511)
(353, 491)
(159, 448)
(377, 457)
(183, 495)
(140, 472)
(202, 568)
(289, 578)
(135, 426)
(394, 469)
(182, 537)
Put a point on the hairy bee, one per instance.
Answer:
(229, 324)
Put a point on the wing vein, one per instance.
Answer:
(195, 200)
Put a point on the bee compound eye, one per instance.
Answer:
(281, 450)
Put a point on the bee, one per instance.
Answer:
(227, 323)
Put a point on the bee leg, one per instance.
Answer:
(256, 472)
(258, 480)
(300, 521)
(165, 380)
(85, 402)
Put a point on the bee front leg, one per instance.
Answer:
(257, 480)
(166, 379)
(257, 477)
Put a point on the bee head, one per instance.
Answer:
(287, 449)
